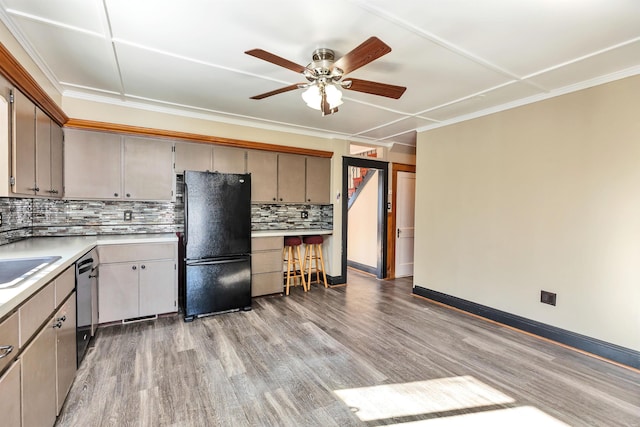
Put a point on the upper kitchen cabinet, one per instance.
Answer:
(148, 172)
(108, 166)
(193, 157)
(291, 178)
(229, 160)
(263, 167)
(206, 157)
(318, 180)
(37, 150)
(94, 165)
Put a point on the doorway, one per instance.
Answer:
(351, 165)
(405, 221)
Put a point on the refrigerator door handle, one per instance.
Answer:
(186, 215)
(214, 262)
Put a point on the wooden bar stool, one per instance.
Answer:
(313, 255)
(293, 261)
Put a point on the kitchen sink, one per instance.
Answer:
(14, 271)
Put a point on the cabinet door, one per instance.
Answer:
(193, 157)
(318, 180)
(157, 287)
(93, 163)
(148, 169)
(10, 395)
(43, 153)
(39, 380)
(24, 144)
(291, 178)
(263, 167)
(229, 160)
(118, 292)
(66, 352)
(57, 161)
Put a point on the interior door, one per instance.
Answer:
(405, 219)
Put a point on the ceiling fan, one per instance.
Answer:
(324, 75)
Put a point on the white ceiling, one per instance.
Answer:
(458, 58)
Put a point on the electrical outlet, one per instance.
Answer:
(304, 214)
(0, 218)
(127, 215)
(547, 297)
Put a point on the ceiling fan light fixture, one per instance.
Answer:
(313, 96)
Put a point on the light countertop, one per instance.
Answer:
(301, 232)
(69, 249)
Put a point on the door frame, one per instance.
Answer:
(383, 189)
(391, 236)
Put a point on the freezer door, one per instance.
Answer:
(217, 214)
(215, 286)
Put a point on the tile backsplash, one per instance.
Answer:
(22, 218)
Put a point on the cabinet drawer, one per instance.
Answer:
(65, 283)
(9, 336)
(266, 283)
(136, 252)
(35, 311)
(266, 243)
(266, 262)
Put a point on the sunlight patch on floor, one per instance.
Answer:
(421, 397)
(522, 416)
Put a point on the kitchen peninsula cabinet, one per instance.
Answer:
(137, 280)
(266, 265)
(66, 351)
(109, 166)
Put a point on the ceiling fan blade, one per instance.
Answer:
(275, 59)
(375, 88)
(372, 49)
(277, 91)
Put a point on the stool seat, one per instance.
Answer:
(292, 241)
(313, 240)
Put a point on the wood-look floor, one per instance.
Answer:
(363, 355)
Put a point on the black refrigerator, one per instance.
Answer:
(217, 240)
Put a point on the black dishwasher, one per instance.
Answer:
(86, 273)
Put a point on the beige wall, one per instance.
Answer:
(545, 196)
(362, 233)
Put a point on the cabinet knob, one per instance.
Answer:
(142, 266)
(115, 194)
(128, 195)
(34, 189)
(57, 325)
(62, 319)
(280, 198)
(134, 267)
(274, 199)
(308, 200)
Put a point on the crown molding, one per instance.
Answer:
(18, 76)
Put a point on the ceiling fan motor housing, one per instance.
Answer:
(322, 69)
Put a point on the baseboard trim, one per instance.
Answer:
(595, 346)
(363, 267)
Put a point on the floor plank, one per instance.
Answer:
(286, 362)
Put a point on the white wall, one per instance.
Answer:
(545, 196)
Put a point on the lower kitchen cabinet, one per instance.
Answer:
(39, 379)
(266, 265)
(137, 280)
(10, 395)
(66, 352)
